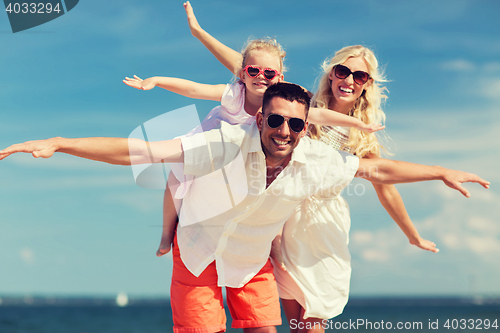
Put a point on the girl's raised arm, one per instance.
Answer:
(230, 58)
(179, 86)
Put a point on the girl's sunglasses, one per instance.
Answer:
(268, 73)
(276, 120)
(343, 72)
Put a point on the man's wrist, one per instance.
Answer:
(439, 172)
(59, 143)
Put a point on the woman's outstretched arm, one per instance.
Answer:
(393, 203)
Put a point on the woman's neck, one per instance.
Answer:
(344, 108)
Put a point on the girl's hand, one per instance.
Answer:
(139, 83)
(425, 244)
(194, 26)
(370, 128)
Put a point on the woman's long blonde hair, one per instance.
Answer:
(367, 107)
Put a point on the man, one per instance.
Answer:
(278, 168)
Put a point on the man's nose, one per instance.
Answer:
(284, 128)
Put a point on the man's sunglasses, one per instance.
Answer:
(276, 120)
(268, 73)
(343, 72)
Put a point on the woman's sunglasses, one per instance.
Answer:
(276, 120)
(268, 73)
(343, 72)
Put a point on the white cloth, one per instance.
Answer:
(232, 111)
(315, 249)
(337, 137)
(239, 238)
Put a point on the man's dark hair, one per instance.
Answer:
(288, 91)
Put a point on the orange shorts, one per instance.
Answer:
(197, 302)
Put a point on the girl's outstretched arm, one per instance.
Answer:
(327, 117)
(230, 58)
(179, 86)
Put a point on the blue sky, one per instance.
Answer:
(70, 226)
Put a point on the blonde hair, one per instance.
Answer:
(367, 107)
(267, 44)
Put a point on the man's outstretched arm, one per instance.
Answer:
(380, 170)
(119, 151)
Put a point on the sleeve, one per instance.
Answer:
(212, 150)
(339, 173)
(233, 98)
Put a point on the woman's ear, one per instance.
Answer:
(281, 78)
(369, 83)
(330, 75)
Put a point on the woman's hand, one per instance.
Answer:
(425, 244)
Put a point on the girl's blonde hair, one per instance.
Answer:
(267, 44)
(367, 107)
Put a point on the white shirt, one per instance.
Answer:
(228, 213)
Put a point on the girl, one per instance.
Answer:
(314, 241)
(261, 66)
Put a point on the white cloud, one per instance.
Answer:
(492, 66)
(459, 65)
(362, 236)
(491, 88)
(484, 244)
(483, 224)
(375, 255)
(468, 225)
(27, 256)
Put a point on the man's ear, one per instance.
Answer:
(304, 131)
(259, 119)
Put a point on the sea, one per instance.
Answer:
(135, 315)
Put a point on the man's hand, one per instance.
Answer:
(38, 148)
(383, 171)
(455, 178)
